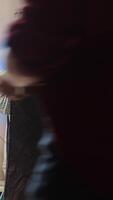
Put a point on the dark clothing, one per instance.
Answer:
(41, 184)
(81, 108)
(23, 132)
(76, 38)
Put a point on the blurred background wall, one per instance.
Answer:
(7, 13)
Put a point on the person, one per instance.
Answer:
(21, 120)
(67, 45)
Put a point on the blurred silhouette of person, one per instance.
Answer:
(66, 48)
(21, 121)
